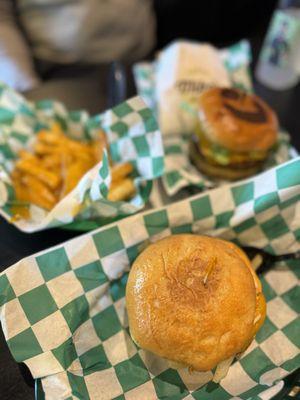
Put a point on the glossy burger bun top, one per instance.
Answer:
(194, 300)
(237, 121)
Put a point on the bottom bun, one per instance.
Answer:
(231, 173)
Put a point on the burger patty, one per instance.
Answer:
(217, 155)
(231, 164)
(228, 172)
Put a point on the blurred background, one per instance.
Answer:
(66, 39)
(214, 21)
(63, 49)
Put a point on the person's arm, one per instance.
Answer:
(16, 64)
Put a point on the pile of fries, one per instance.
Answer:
(55, 165)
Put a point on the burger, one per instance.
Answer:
(194, 301)
(236, 133)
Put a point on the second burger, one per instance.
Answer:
(236, 134)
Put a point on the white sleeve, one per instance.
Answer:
(16, 64)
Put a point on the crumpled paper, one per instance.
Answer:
(236, 60)
(63, 310)
(132, 134)
(182, 71)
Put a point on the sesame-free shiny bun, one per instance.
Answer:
(194, 300)
(237, 120)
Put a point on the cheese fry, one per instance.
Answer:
(77, 146)
(55, 167)
(38, 193)
(20, 189)
(24, 154)
(120, 171)
(56, 129)
(50, 138)
(122, 190)
(43, 148)
(99, 145)
(52, 161)
(49, 178)
(98, 148)
(20, 211)
(102, 138)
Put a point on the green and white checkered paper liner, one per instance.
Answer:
(132, 134)
(179, 172)
(63, 310)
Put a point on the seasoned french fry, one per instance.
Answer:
(120, 171)
(73, 173)
(20, 188)
(44, 148)
(38, 192)
(49, 178)
(56, 166)
(19, 212)
(122, 190)
(56, 128)
(53, 161)
(50, 138)
(84, 156)
(77, 146)
(15, 176)
(24, 154)
(98, 145)
(97, 148)
(101, 136)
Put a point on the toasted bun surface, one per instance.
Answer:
(192, 300)
(237, 121)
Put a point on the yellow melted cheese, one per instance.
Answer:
(220, 155)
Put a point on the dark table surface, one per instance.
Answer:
(15, 245)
